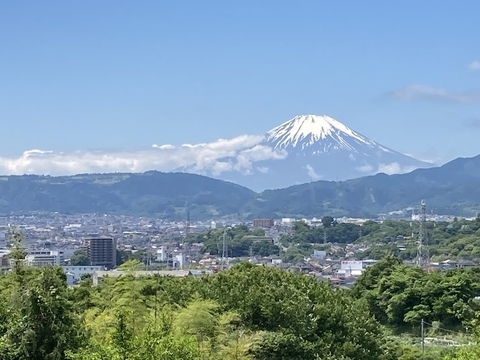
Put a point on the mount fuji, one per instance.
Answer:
(315, 135)
(324, 148)
(318, 147)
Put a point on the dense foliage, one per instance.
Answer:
(240, 241)
(457, 240)
(79, 258)
(37, 320)
(247, 312)
(400, 295)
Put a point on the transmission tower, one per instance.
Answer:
(422, 250)
(187, 248)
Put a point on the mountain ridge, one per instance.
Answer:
(449, 189)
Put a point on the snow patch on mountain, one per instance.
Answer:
(319, 131)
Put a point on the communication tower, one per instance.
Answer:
(187, 225)
(422, 250)
(187, 247)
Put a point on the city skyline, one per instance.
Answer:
(121, 86)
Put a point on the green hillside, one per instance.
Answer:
(450, 189)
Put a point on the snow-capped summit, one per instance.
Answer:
(308, 148)
(318, 147)
(321, 133)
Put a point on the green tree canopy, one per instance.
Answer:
(80, 258)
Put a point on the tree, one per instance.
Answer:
(41, 324)
(328, 221)
(301, 312)
(80, 258)
(280, 346)
(131, 265)
(154, 341)
(239, 241)
(17, 253)
(398, 294)
(199, 319)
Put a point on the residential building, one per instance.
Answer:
(162, 254)
(77, 271)
(4, 259)
(263, 223)
(39, 258)
(102, 251)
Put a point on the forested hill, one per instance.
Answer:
(450, 189)
(165, 195)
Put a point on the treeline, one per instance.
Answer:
(330, 231)
(459, 239)
(240, 242)
(399, 295)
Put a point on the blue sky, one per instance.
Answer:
(120, 76)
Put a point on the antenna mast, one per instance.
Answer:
(422, 250)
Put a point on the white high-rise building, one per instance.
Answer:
(180, 260)
(162, 255)
(38, 258)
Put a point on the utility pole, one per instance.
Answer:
(423, 337)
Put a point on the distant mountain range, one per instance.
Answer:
(316, 147)
(450, 189)
(165, 195)
(453, 188)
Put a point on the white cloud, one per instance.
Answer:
(365, 168)
(394, 168)
(223, 155)
(474, 65)
(246, 158)
(313, 175)
(418, 92)
(163, 147)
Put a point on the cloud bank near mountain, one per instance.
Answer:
(236, 154)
